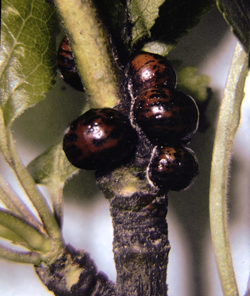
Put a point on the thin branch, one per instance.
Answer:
(15, 204)
(29, 234)
(30, 188)
(12, 236)
(22, 257)
(226, 129)
(92, 51)
(74, 273)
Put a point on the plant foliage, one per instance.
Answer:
(237, 14)
(28, 55)
(27, 71)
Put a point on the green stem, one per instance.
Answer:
(15, 204)
(92, 51)
(4, 139)
(39, 202)
(29, 234)
(12, 236)
(22, 257)
(56, 192)
(226, 129)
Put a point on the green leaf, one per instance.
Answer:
(174, 20)
(27, 56)
(158, 47)
(192, 84)
(52, 169)
(52, 163)
(237, 15)
(143, 14)
(228, 122)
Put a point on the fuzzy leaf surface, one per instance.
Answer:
(237, 15)
(27, 56)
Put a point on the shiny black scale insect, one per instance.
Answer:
(99, 138)
(67, 66)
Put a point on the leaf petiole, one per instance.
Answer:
(22, 257)
(28, 233)
(15, 204)
(29, 186)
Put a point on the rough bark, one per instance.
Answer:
(73, 273)
(140, 244)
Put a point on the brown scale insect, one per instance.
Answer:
(166, 115)
(151, 70)
(173, 168)
(67, 66)
(99, 138)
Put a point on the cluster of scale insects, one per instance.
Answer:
(105, 137)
